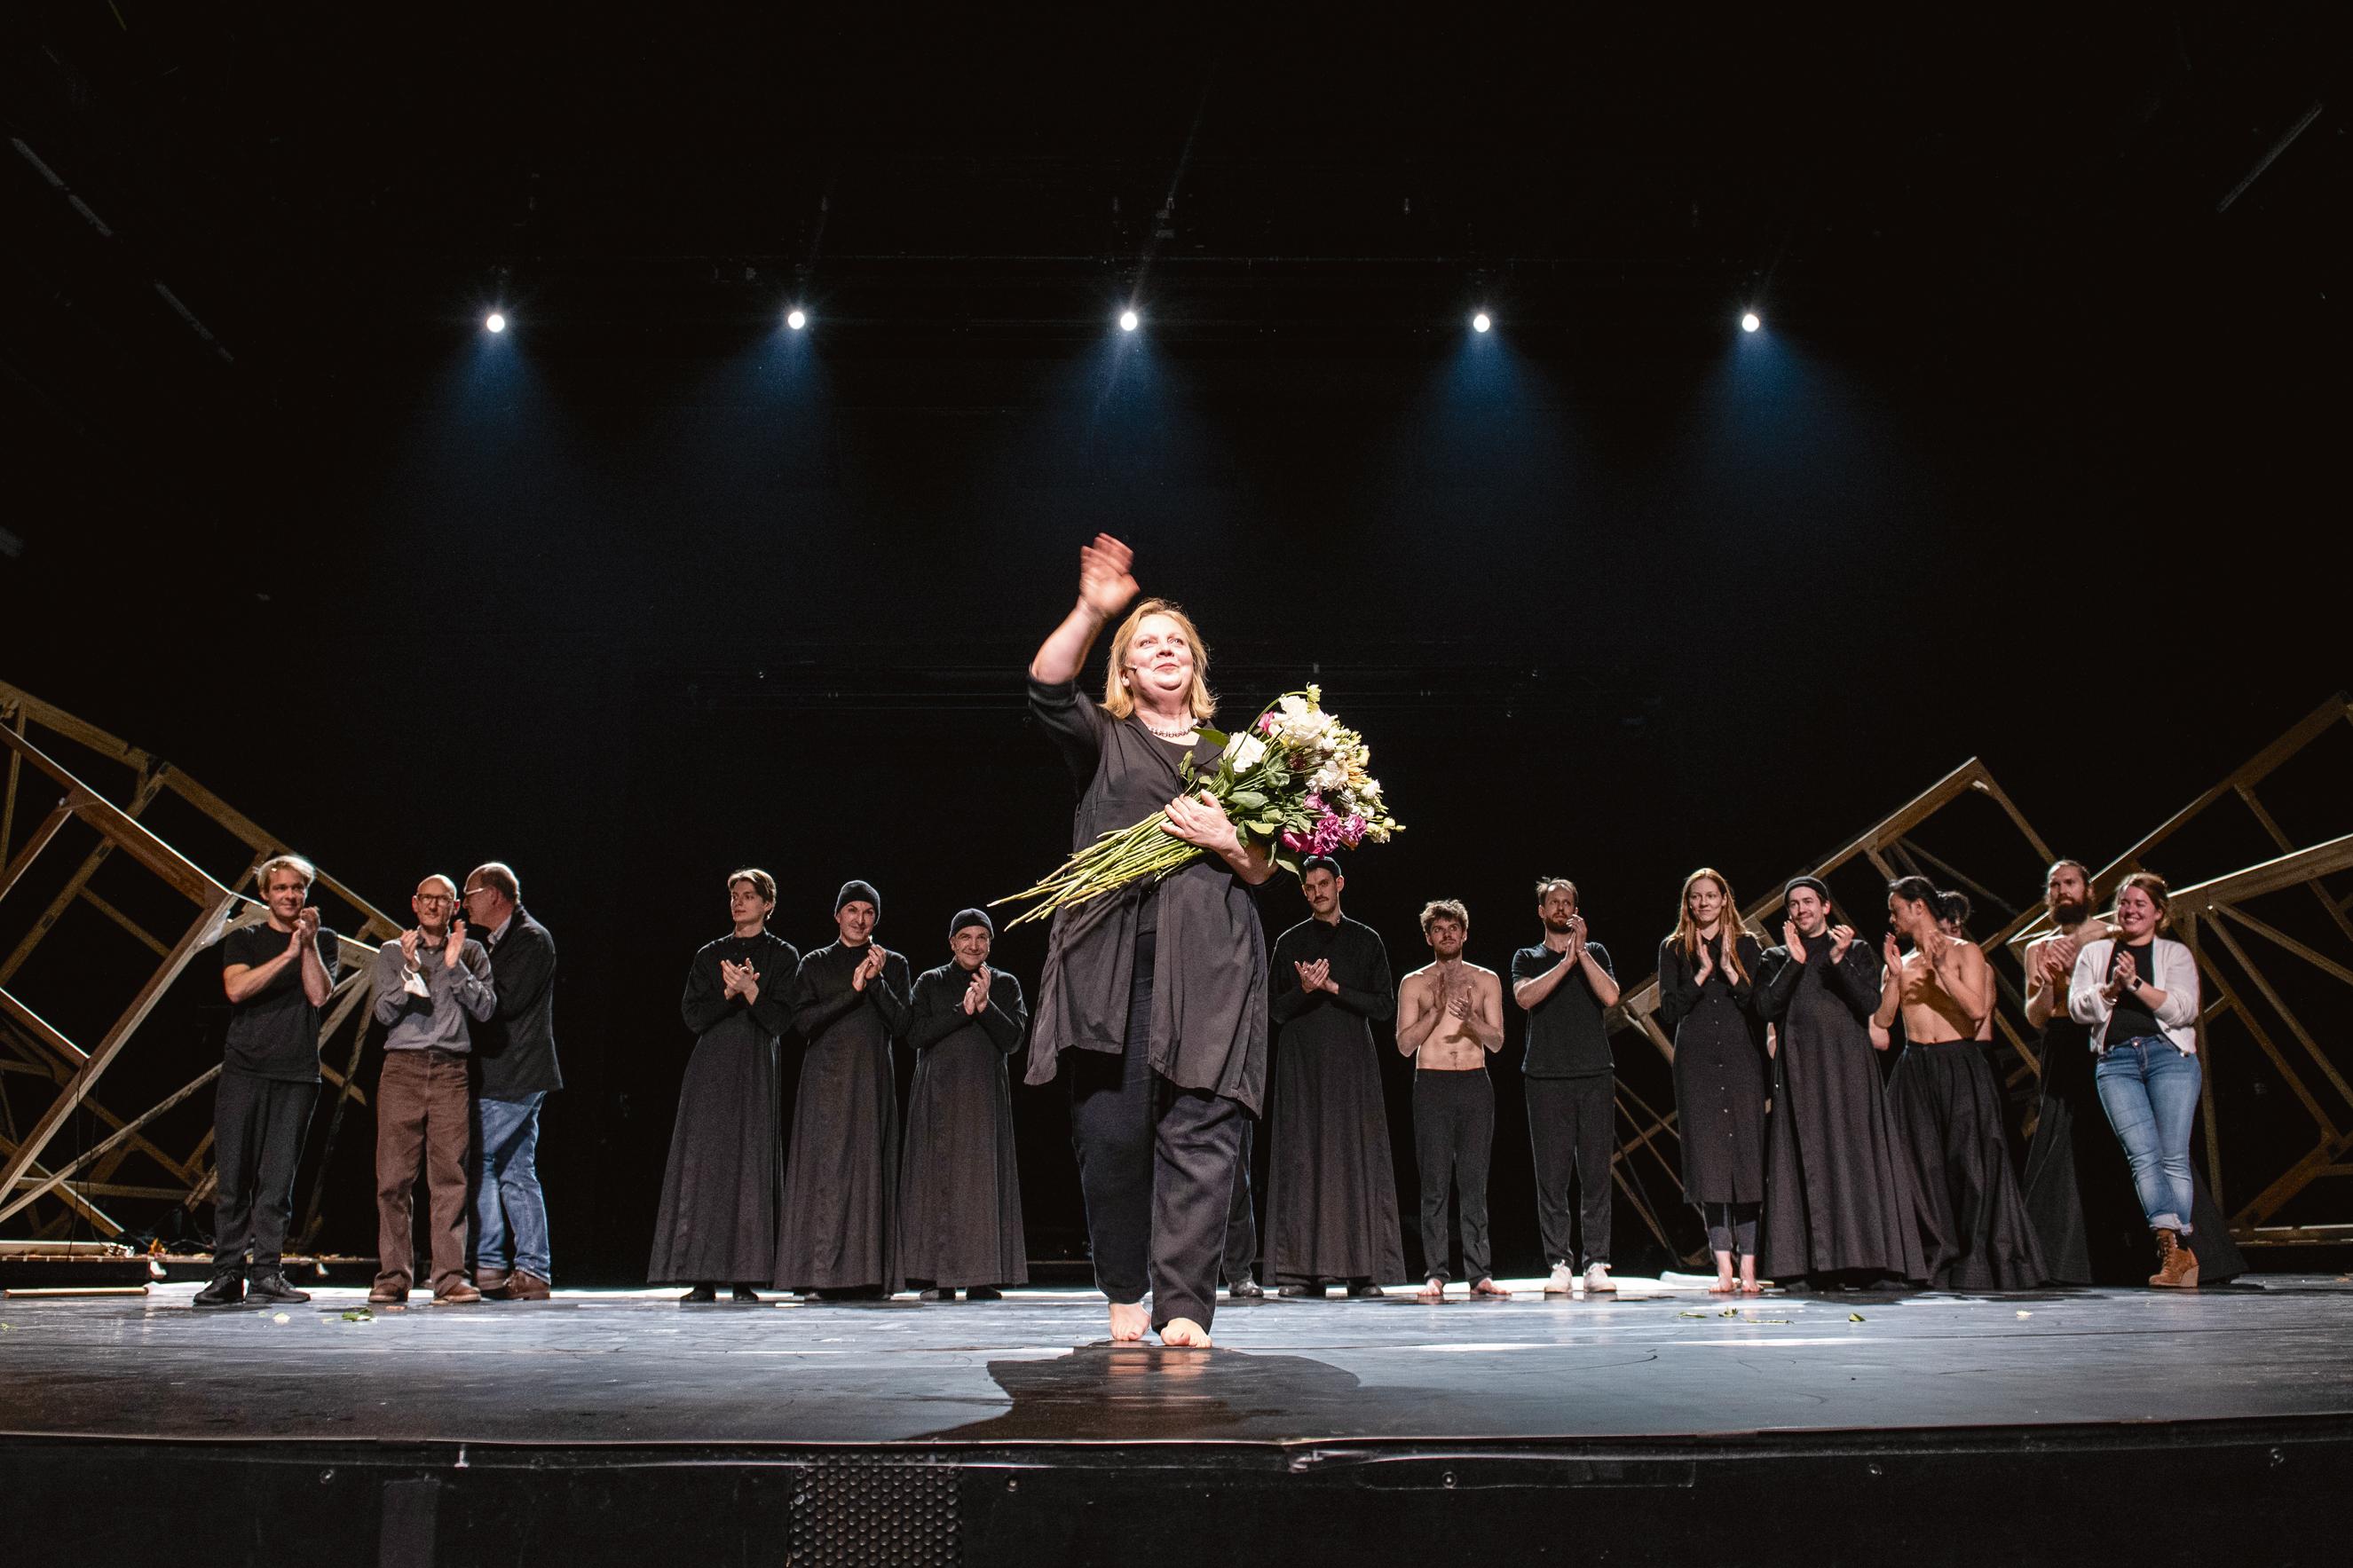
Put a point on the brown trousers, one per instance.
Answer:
(421, 1109)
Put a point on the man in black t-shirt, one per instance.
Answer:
(1567, 986)
(277, 974)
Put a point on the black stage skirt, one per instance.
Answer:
(1974, 1230)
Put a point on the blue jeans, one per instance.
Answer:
(506, 1193)
(2148, 1086)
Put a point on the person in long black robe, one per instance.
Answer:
(717, 1222)
(1837, 1209)
(837, 1230)
(1331, 1196)
(1720, 1072)
(1159, 986)
(959, 1194)
(2077, 1185)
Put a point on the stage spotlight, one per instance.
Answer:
(1129, 321)
(796, 317)
(1750, 321)
(1480, 322)
(495, 323)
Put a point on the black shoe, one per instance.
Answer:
(225, 1290)
(268, 1285)
(1359, 1289)
(935, 1294)
(983, 1293)
(701, 1295)
(1245, 1289)
(745, 1294)
(1312, 1292)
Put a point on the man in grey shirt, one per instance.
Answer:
(428, 983)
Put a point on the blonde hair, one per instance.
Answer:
(762, 883)
(1686, 937)
(290, 862)
(1118, 701)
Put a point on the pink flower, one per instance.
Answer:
(1266, 723)
(1292, 842)
(1315, 803)
(1352, 832)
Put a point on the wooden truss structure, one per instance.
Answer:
(145, 880)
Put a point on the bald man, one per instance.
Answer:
(428, 983)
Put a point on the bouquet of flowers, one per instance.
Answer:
(1294, 780)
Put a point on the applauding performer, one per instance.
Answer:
(1330, 1200)
(717, 1224)
(1836, 1209)
(959, 1195)
(427, 984)
(1159, 987)
(837, 1233)
(1566, 987)
(1708, 970)
(278, 975)
(1450, 1020)
(1948, 1105)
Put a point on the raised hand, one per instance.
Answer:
(2121, 981)
(976, 995)
(453, 946)
(1794, 940)
(1308, 979)
(306, 927)
(1106, 575)
(408, 940)
(1842, 938)
(731, 980)
(1892, 955)
(1706, 965)
(867, 968)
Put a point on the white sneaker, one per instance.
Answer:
(1562, 1281)
(1597, 1278)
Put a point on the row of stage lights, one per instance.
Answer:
(1129, 321)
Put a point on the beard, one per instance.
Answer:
(2071, 914)
(1560, 928)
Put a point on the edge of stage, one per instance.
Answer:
(2048, 1426)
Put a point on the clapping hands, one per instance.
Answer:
(876, 956)
(740, 979)
(1315, 976)
(976, 996)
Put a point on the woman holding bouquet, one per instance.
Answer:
(1159, 987)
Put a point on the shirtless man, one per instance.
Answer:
(2051, 960)
(1943, 987)
(1450, 1020)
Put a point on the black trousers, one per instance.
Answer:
(257, 1129)
(1241, 1221)
(1454, 1134)
(1572, 1130)
(1157, 1168)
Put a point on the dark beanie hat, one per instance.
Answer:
(1816, 883)
(853, 891)
(971, 918)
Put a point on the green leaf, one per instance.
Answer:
(1854, 1317)
(1250, 799)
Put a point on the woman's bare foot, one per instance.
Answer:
(1724, 1286)
(1488, 1288)
(1128, 1321)
(1750, 1288)
(1184, 1333)
(1431, 1290)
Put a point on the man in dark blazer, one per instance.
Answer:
(516, 1049)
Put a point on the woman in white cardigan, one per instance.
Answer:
(2137, 993)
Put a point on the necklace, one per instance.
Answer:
(1178, 733)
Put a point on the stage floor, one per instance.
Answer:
(636, 1368)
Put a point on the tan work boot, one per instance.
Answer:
(2177, 1266)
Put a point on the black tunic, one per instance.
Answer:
(2079, 1189)
(836, 1229)
(1835, 1178)
(1331, 1196)
(959, 1195)
(717, 1223)
(1209, 992)
(1720, 1074)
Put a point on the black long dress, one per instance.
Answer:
(717, 1223)
(1720, 1073)
(2078, 1187)
(959, 1194)
(1331, 1196)
(836, 1228)
(1836, 1198)
(1947, 1110)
